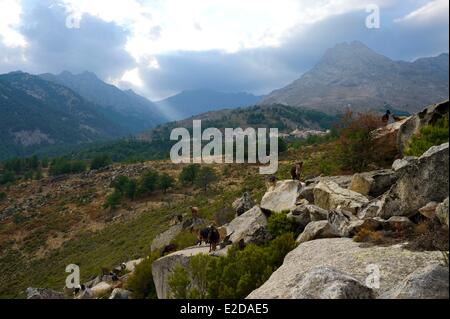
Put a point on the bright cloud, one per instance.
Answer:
(436, 9)
(162, 26)
(10, 19)
(133, 77)
(428, 12)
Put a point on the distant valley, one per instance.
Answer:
(194, 102)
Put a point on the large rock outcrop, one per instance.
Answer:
(343, 181)
(316, 230)
(166, 237)
(329, 195)
(346, 256)
(327, 283)
(250, 227)
(305, 213)
(430, 282)
(422, 181)
(243, 204)
(442, 212)
(345, 224)
(120, 293)
(413, 125)
(282, 197)
(373, 183)
(42, 293)
(385, 138)
(131, 265)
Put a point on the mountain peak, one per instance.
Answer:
(348, 53)
(84, 75)
(352, 74)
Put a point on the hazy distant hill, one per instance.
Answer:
(354, 75)
(194, 102)
(35, 113)
(285, 118)
(126, 108)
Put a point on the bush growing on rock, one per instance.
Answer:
(429, 136)
(233, 276)
(2, 196)
(278, 224)
(184, 239)
(179, 282)
(140, 282)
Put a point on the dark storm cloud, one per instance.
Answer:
(95, 46)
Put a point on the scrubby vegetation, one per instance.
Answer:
(189, 174)
(278, 224)
(184, 239)
(21, 169)
(355, 148)
(149, 182)
(101, 161)
(233, 276)
(429, 136)
(61, 165)
(205, 176)
(140, 282)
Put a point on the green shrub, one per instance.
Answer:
(282, 146)
(233, 276)
(141, 282)
(2, 196)
(184, 239)
(38, 174)
(101, 161)
(130, 189)
(61, 166)
(165, 182)
(148, 182)
(189, 174)
(113, 200)
(7, 177)
(205, 176)
(278, 224)
(179, 282)
(429, 136)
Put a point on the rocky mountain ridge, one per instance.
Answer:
(352, 75)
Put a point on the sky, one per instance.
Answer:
(161, 47)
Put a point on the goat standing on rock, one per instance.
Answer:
(296, 171)
(209, 235)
